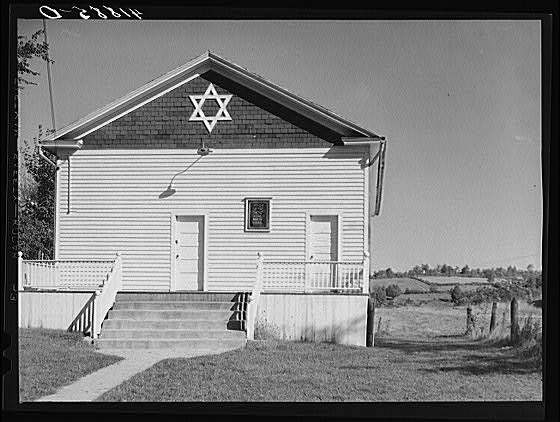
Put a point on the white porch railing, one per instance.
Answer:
(105, 298)
(65, 274)
(314, 276)
(102, 277)
(307, 277)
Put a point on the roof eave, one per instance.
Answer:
(61, 146)
(198, 66)
(362, 140)
(287, 99)
(76, 129)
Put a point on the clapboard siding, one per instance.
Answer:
(115, 205)
(52, 310)
(313, 317)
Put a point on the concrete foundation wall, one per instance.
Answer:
(55, 310)
(313, 317)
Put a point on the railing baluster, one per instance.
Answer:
(293, 276)
(69, 274)
(308, 276)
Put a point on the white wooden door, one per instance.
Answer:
(189, 253)
(323, 246)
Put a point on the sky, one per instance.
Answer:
(459, 103)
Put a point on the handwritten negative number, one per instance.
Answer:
(52, 13)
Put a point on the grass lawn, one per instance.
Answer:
(448, 369)
(50, 359)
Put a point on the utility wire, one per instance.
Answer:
(49, 76)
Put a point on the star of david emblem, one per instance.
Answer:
(198, 102)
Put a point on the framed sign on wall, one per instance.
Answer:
(257, 214)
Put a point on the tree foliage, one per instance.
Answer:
(27, 50)
(457, 294)
(37, 182)
(393, 290)
(379, 295)
(36, 207)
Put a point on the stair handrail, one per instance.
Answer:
(254, 298)
(105, 298)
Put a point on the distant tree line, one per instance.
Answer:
(511, 273)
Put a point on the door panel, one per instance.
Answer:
(189, 253)
(324, 238)
(323, 246)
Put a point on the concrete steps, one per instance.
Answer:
(159, 314)
(176, 305)
(188, 344)
(172, 334)
(186, 320)
(181, 296)
(171, 324)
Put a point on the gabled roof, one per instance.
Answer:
(196, 67)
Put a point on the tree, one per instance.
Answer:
(393, 290)
(379, 274)
(465, 270)
(378, 295)
(36, 199)
(489, 274)
(28, 49)
(389, 273)
(417, 270)
(36, 208)
(457, 294)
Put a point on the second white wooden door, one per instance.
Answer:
(323, 246)
(189, 253)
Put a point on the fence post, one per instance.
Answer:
(514, 333)
(20, 270)
(493, 317)
(365, 284)
(370, 322)
(470, 321)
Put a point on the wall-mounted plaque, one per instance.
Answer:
(257, 214)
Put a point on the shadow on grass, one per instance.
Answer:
(459, 343)
(484, 365)
(489, 357)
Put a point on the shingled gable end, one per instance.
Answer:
(197, 173)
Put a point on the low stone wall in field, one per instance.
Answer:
(313, 317)
(50, 309)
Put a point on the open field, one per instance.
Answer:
(404, 283)
(50, 359)
(435, 318)
(420, 355)
(454, 280)
(427, 284)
